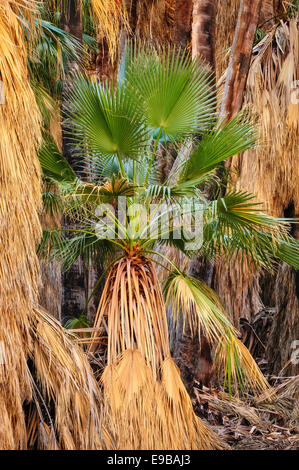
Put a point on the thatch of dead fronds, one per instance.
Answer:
(223, 403)
(271, 171)
(148, 20)
(47, 395)
(155, 21)
(284, 401)
(145, 400)
(254, 423)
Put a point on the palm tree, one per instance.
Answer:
(120, 130)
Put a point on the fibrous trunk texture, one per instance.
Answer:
(240, 58)
(283, 342)
(50, 289)
(203, 31)
(226, 20)
(71, 18)
(182, 22)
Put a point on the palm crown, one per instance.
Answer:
(162, 102)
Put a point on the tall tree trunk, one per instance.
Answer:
(74, 281)
(182, 23)
(267, 14)
(194, 358)
(240, 57)
(283, 343)
(71, 21)
(203, 31)
(102, 59)
(71, 18)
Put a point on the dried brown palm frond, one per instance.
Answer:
(271, 92)
(129, 398)
(133, 305)
(20, 228)
(175, 412)
(145, 401)
(271, 170)
(46, 384)
(284, 401)
(227, 405)
(65, 382)
(148, 414)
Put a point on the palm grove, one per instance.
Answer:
(149, 134)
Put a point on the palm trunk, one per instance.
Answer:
(203, 31)
(267, 14)
(283, 343)
(239, 63)
(74, 281)
(193, 358)
(182, 23)
(50, 292)
(71, 18)
(102, 59)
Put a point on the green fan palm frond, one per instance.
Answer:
(51, 51)
(240, 369)
(288, 251)
(235, 224)
(52, 202)
(176, 93)
(85, 197)
(216, 146)
(55, 245)
(54, 164)
(106, 121)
